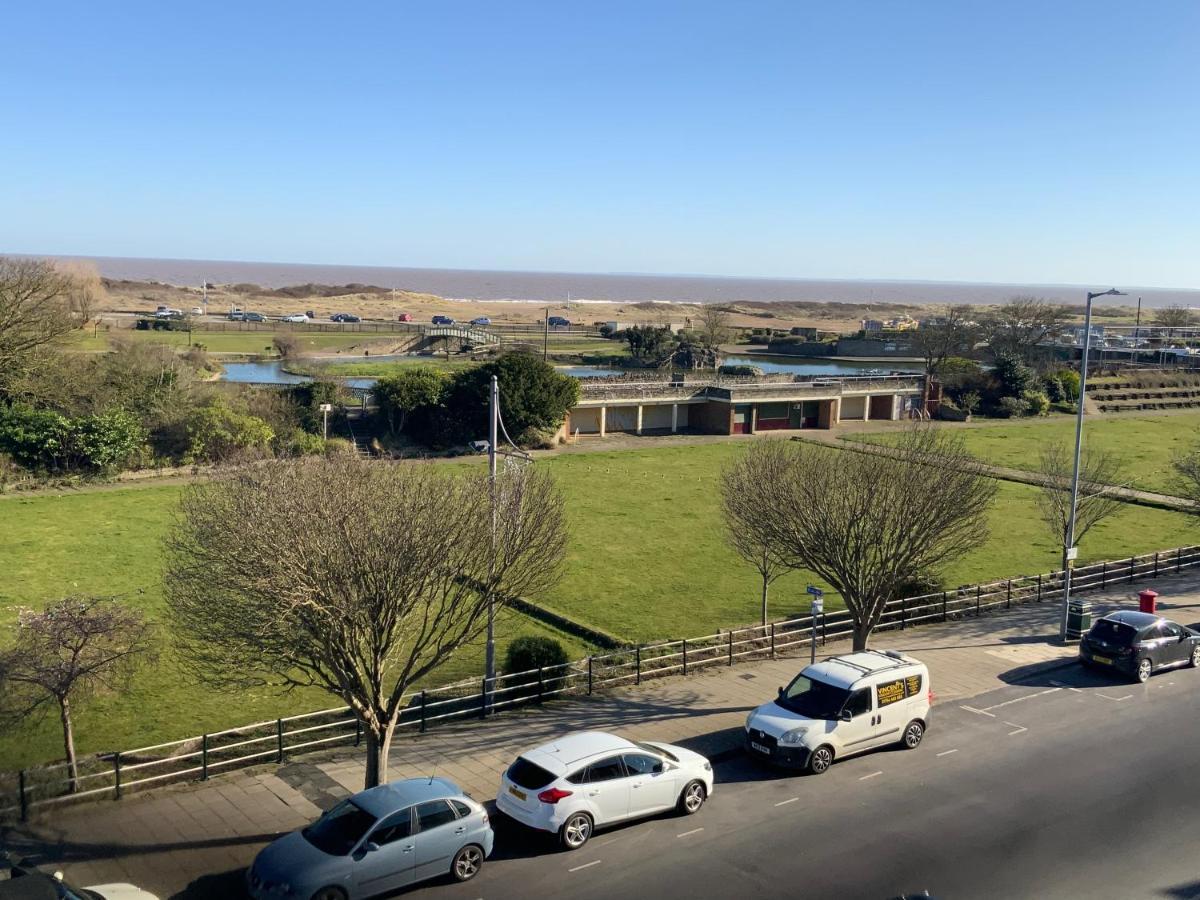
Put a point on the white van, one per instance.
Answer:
(841, 706)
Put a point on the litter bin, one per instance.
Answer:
(1147, 601)
(1079, 619)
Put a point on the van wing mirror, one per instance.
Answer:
(846, 715)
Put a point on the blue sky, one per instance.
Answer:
(1045, 142)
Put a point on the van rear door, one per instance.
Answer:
(898, 701)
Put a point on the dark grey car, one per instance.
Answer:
(1139, 644)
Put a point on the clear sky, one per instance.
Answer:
(1041, 141)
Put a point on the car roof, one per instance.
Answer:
(1133, 618)
(844, 671)
(387, 798)
(560, 755)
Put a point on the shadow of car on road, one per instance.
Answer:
(222, 885)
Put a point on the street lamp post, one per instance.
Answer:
(1069, 544)
(493, 421)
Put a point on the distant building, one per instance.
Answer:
(872, 325)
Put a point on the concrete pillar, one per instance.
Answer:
(867, 408)
(674, 418)
(896, 403)
(639, 418)
(603, 410)
(753, 423)
(835, 415)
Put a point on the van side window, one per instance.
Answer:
(859, 702)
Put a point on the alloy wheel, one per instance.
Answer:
(693, 796)
(913, 734)
(467, 863)
(822, 759)
(577, 830)
(1143, 671)
(1196, 657)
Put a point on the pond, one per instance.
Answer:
(802, 366)
(271, 372)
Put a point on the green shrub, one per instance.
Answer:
(740, 371)
(404, 392)
(1069, 379)
(109, 441)
(1036, 403)
(1012, 407)
(532, 652)
(216, 432)
(1053, 388)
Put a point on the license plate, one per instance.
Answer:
(1102, 659)
(760, 748)
(520, 795)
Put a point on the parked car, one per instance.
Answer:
(405, 317)
(376, 842)
(236, 316)
(480, 446)
(344, 317)
(591, 779)
(164, 312)
(297, 318)
(1139, 644)
(197, 311)
(253, 317)
(442, 320)
(559, 322)
(842, 706)
(481, 320)
(25, 882)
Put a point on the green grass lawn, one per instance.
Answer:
(1145, 443)
(377, 368)
(235, 341)
(647, 560)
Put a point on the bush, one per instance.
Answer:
(109, 441)
(403, 393)
(1014, 376)
(740, 371)
(337, 446)
(286, 345)
(1053, 388)
(36, 438)
(1012, 407)
(216, 432)
(527, 654)
(1036, 403)
(1069, 379)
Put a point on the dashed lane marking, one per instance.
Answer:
(980, 711)
(693, 831)
(594, 862)
(1114, 699)
(948, 752)
(786, 802)
(872, 775)
(1019, 728)
(1021, 699)
(606, 843)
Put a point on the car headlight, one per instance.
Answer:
(794, 737)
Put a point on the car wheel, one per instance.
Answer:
(692, 798)
(1144, 670)
(575, 831)
(913, 733)
(820, 760)
(329, 893)
(1196, 657)
(467, 862)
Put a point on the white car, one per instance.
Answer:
(584, 781)
(197, 311)
(298, 318)
(842, 706)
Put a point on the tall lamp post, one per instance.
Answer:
(493, 422)
(1069, 549)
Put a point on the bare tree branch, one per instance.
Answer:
(1022, 323)
(953, 332)
(1098, 470)
(40, 302)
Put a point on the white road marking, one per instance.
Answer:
(693, 831)
(1019, 728)
(786, 802)
(1019, 699)
(948, 752)
(594, 862)
(1114, 699)
(980, 711)
(872, 775)
(1067, 686)
(606, 843)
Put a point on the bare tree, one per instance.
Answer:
(1172, 317)
(870, 522)
(1187, 472)
(1022, 323)
(714, 325)
(953, 332)
(359, 578)
(1098, 470)
(749, 488)
(73, 649)
(40, 303)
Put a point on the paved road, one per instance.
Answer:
(1068, 786)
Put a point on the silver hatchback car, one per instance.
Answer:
(377, 841)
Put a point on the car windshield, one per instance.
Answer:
(528, 775)
(339, 830)
(812, 698)
(658, 751)
(1113, 632)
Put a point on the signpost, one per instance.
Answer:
(325, 408)
(817, 609)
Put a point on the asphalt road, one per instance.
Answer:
(1070, 785)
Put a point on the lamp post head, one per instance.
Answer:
(1111, 292)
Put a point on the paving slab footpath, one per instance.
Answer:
(193, 840)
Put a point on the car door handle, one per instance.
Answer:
(408, 849)
(593, 793)
(460, 830)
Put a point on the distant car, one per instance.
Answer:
(481, 320)
(442, 320)
(197, 311)
(1139, 644)
(253, 317)
(297, 318)
(310, 313)
(480, 446)
(27, 883)
(404, 317)
(559, 322)
(375, 842)
(344, 317)
(166, 313)
(236, 316)
(585, 781)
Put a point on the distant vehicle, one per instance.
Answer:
(480, 446)
(197, 311)
(344, 317)
(404, 317)
(310, 313)
(442, 320)
(587, 780)
(25, 882)
(164, 312)
(297, 318)
(481, 320)
(1139, 644)
(842, 706)
(236, 316)
(375, 842)
(559, 322)
(253, 317)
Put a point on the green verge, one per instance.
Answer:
(1145, 443)
(238, 341)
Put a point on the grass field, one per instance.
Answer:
(236, 341)
(647, 560)
(1145, 443)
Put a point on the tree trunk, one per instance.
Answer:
(64, 708)
(378, 748)
(861, 633)
(766, 583)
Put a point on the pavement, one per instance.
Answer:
(193, 840)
